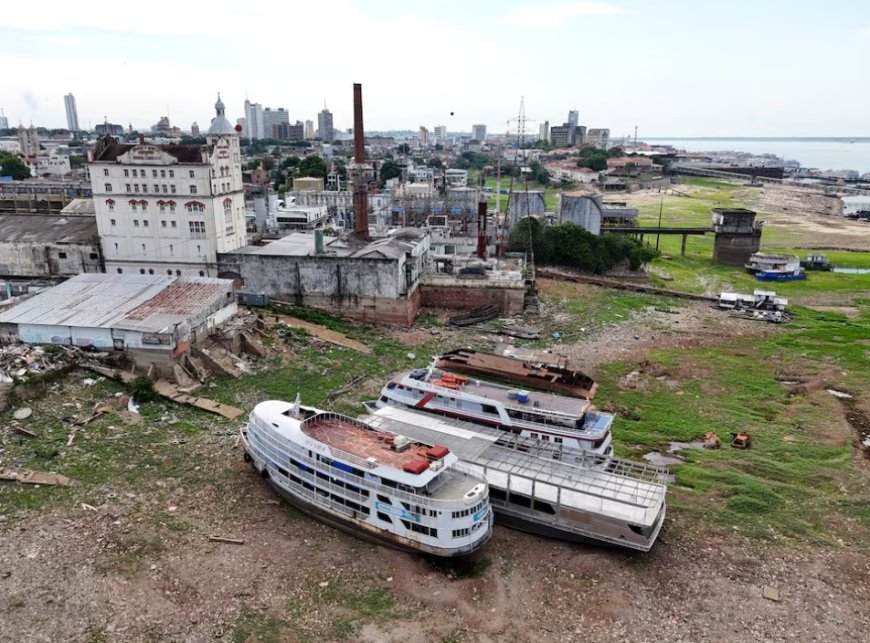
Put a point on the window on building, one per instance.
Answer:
(61, 255)
(144, 205)
(126, 172)
(172, 189)
(171, 253)
(141, 271)
(145, 222)
(171, 174)
(105, 171)
(199, 250)
(156, 188)
(150, 271)
(94, 256)
(228, 210)
(197, 230)
(111, 222)
(192, 174)
(164, 188)
(120, 270)
(144, 187)
(135, 187)
(213, 173)
(111, 205)
(177, 273)
(108, 187)
(174, 224)
(169, 272)
(202, 273)
(128, 187)
(135, 223)
(163, 224)
(134, 207)
(116, 248)
(143, 249)
(193, 189)
(172, 207)
(154, 173)
(162, 174)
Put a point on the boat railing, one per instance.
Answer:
(280, 447)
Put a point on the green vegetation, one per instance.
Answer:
(570, 245)
(596, 159)
(11, 165)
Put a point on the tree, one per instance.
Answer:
(539, 173)
(389, 170)
(11, 165)
(404, 148)
(435, 162)
(76, 161)
(291, 161)
(312, 165)
(267, 163)
(341, 169)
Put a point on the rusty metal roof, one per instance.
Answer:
(146, 303)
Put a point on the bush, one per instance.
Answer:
(571, 245)
(142, 389)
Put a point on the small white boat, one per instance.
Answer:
(372, 483)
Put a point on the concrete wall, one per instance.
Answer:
(735, 249)
(581, 210)
(48, 260)
(337, 278)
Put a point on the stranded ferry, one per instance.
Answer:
(375, 484)
(560, 420)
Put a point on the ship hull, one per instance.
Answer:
(529, 525)
(361, 530)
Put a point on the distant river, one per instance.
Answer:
(831, 154)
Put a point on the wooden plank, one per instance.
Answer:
(28, 476)
(224, 539)
(321, 332)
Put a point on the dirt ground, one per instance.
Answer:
(139, 568)
(85, 575)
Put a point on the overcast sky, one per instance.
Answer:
(671, 67)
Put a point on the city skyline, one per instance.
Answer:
(671, 68)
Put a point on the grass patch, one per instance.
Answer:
(356, 605)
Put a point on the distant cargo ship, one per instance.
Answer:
(374, 484)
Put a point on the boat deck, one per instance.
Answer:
(622, 489)
(361, 442)
(538, 400)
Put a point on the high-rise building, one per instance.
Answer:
(573, 118)
(599, 138)
(478, 132)
(194, 129)
(440, 133)
(169, 208)
(4, 122)
(424, 137)
(325, 131)
(296, 132)
(254, 120)
(544, 132)
(309, 129)
(275, 123)
(72, 113)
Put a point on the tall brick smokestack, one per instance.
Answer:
(360, 193)
(481, 227)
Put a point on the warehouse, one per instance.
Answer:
(149, 317)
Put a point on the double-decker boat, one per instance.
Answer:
(569, 422)
(372, 483)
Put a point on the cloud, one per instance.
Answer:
(555, 12)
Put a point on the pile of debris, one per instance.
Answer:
(762, 305)
(23, 361)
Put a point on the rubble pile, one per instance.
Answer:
(23, 361)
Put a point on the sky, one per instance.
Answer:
(669, 67)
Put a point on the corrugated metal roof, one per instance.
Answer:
(47, 228)
(147, 303)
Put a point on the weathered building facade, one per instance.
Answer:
(35, 246)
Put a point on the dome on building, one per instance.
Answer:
(220, 124)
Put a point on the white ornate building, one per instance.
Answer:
(169, 209)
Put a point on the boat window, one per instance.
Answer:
(557, 440)
(489, 408)
(385, 517)
(384, 499)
